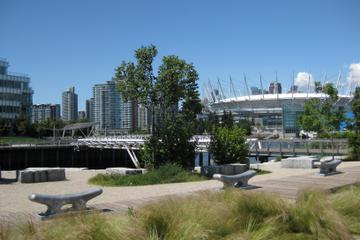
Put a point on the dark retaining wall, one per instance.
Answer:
(62, 156)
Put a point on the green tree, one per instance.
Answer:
(172, 96)
(355, 106)
(354, 140)
(138, 82)
(246, 125)
(322, 116)
(227, 120)
(228, 145)
(171, 145)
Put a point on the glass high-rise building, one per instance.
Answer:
(15, 93)
(70, 105)
(42, 112)
(90, 109)
(111, 112)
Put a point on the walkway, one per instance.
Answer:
(286, 182)
(288, 187)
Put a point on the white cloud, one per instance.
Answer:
(302, 80)
(354, 75)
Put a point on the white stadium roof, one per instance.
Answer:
(280, 96)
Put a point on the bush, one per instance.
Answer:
(228, 145)
(170, 145)
(169, 173)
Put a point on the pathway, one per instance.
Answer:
(286, 182)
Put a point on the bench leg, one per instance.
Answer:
(242, 183)
(79, 205)
(53, 209)
(227, 184)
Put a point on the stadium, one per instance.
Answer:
(271, 111)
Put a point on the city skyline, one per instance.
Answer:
(60, 45)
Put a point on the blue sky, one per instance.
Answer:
(78, 43)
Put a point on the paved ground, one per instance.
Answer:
(14, 201)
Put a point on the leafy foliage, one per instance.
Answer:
(354, 140)
(22, 127)
(321, 115)
(355, 105)
(171, 145)
(228, 145)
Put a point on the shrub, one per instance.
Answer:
(228, 145)
(169, 173)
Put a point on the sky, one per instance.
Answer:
(64, 43)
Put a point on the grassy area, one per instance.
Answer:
(232, 214)
(18, 140)
(165, 174)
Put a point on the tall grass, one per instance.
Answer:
(347, 203)
(169, 173)
(230, 214)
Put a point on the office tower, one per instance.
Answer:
(293, 89)
(55, 111)
(15, 93)
(90, 109)
(255, 91)
(275, 87)
(43, 112)
(69, 105)
(110, 109)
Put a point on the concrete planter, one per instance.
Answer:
(300, 162)
(34, 175)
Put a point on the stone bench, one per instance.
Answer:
(329, 167)
(238, 180)
(225, 169)
(55, 203)
(34, 175)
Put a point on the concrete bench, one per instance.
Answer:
(226, 169)
(329, 167)
(55, 203)
(238, 180)
(34, 175)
